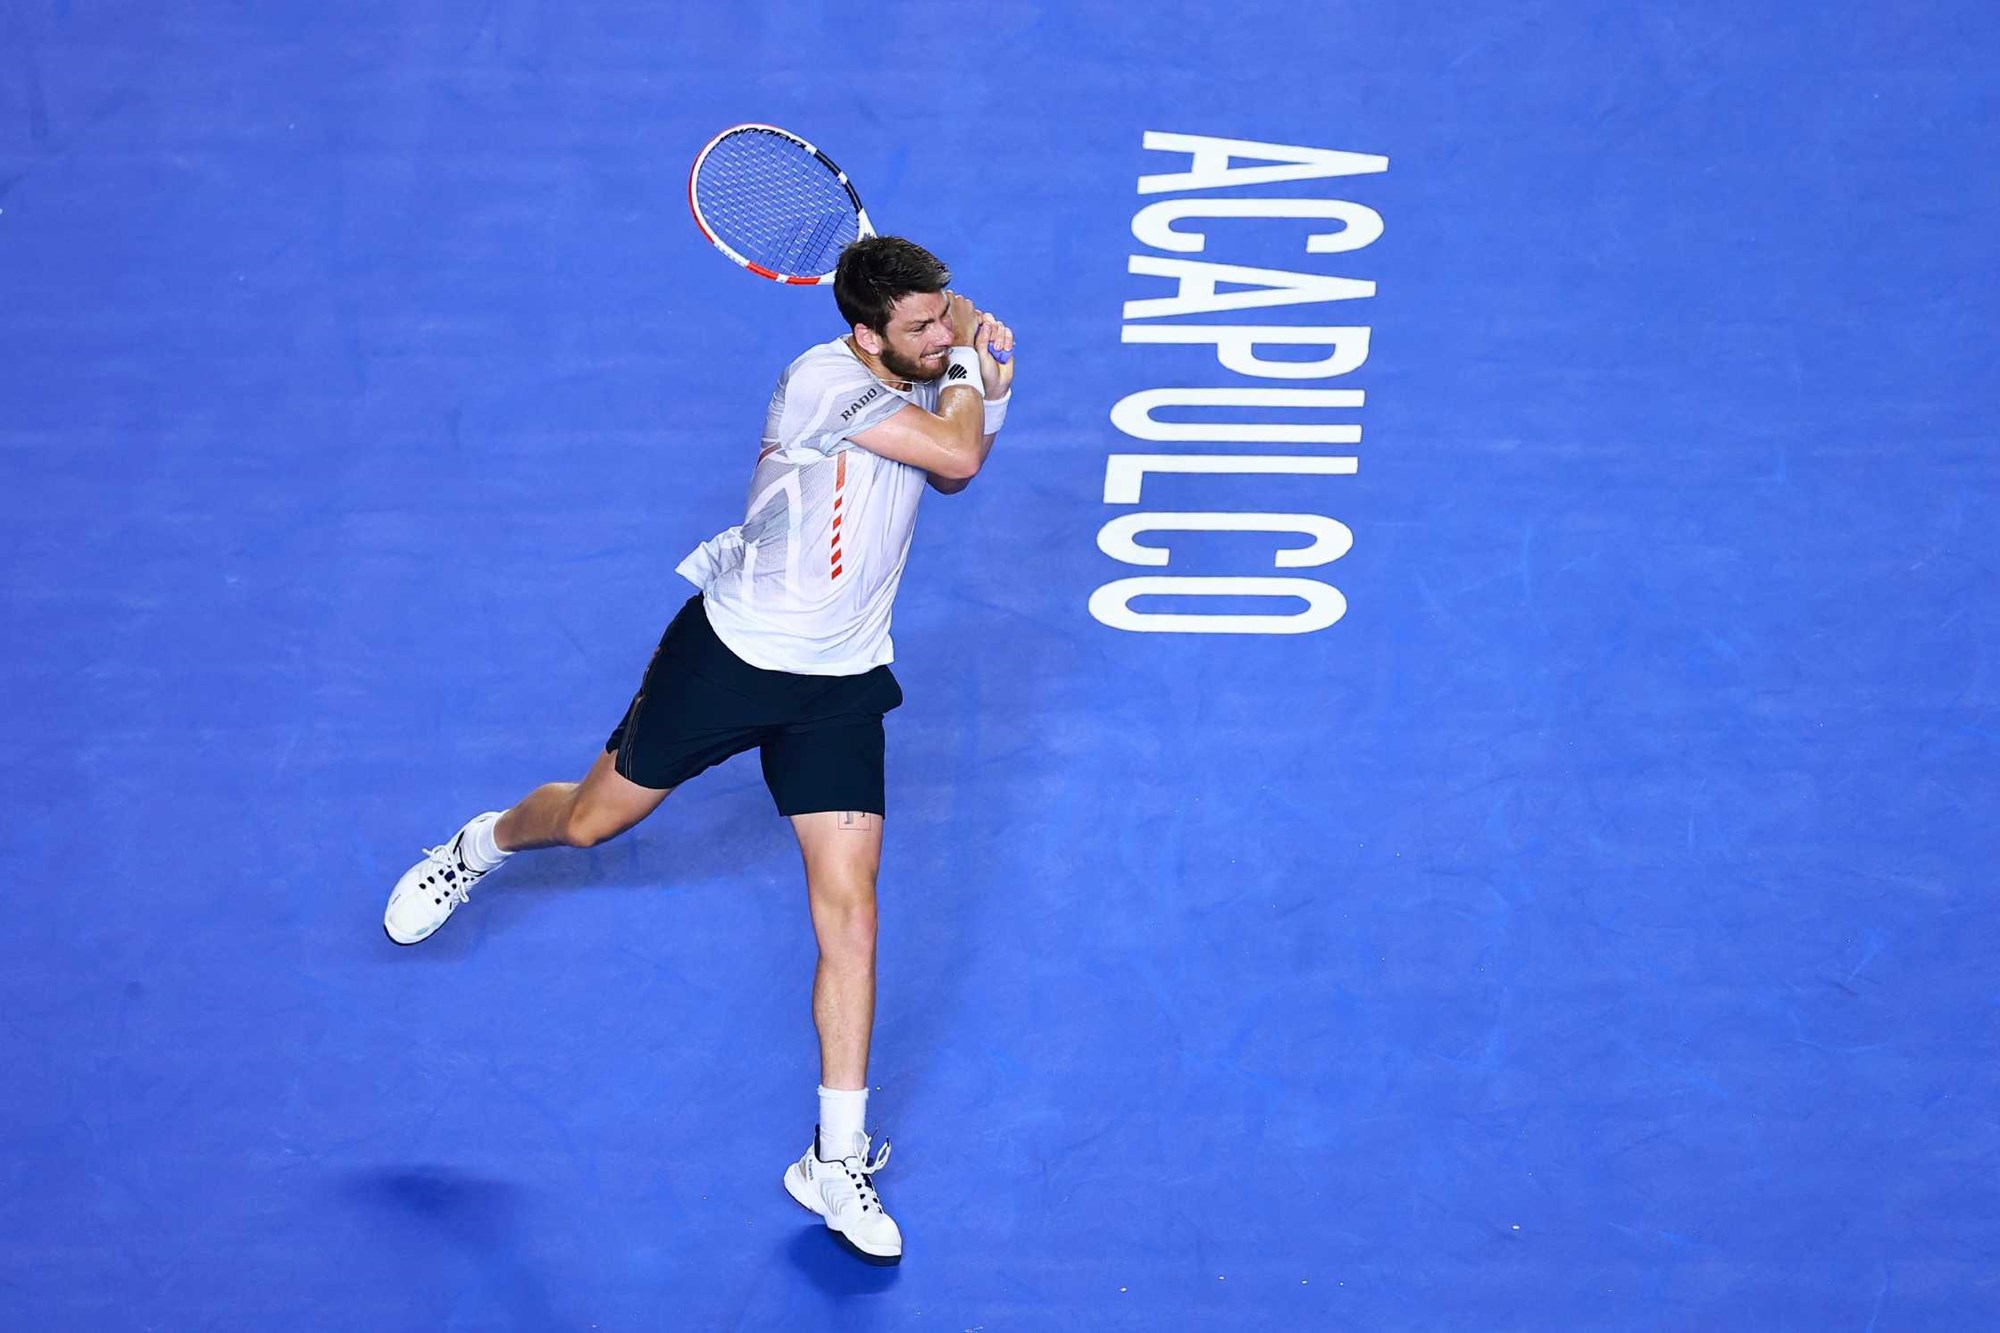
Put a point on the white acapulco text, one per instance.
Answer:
(1199, 284)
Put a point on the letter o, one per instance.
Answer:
(1111, 605)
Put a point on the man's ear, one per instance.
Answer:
(868, 340)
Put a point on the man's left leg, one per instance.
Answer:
(843, 852)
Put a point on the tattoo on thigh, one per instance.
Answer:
(860, 821)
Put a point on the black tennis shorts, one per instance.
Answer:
(820, 737)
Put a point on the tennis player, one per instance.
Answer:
(786, 650)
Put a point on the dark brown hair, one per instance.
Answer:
(877, 271)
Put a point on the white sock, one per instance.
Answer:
(843, 1113)
(477, 847)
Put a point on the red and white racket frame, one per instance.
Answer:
(795, 279)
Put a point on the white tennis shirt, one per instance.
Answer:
(807, 581)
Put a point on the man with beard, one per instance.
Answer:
(786, 650)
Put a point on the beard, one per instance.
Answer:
(912, 369)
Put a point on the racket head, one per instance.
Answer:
(775, 204)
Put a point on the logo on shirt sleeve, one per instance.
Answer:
(847, 414)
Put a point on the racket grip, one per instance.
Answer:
(1003, 357)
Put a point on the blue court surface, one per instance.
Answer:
(1592, 927)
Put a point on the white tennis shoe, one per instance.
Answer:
(843, 1192)
(432, 889)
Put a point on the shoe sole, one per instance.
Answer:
(797, 1191)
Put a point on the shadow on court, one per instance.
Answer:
(816, 1255)
(437, 1219)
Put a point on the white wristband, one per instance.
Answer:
(996, 412)
(962, 371)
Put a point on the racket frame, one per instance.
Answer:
(867, 228)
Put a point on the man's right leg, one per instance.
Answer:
(577, 814)
(680, 722)
(558, 814)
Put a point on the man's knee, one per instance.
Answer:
(604, 805)
(586, 826)
(844, 908)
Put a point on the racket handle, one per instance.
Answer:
(1003, 357)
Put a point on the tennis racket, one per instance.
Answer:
(777, 205)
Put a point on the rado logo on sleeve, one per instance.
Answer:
(861, 402)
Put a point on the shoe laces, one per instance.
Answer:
(860, 1172)
(450, 868)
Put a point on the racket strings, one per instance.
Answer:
(815, 239)
(775, 203)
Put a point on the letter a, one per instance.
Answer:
(1197, 282)
(1210, 169)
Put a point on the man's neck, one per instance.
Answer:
(875, 366)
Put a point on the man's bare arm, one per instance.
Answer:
(997, 381)
(945, 443)
(937, 441)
